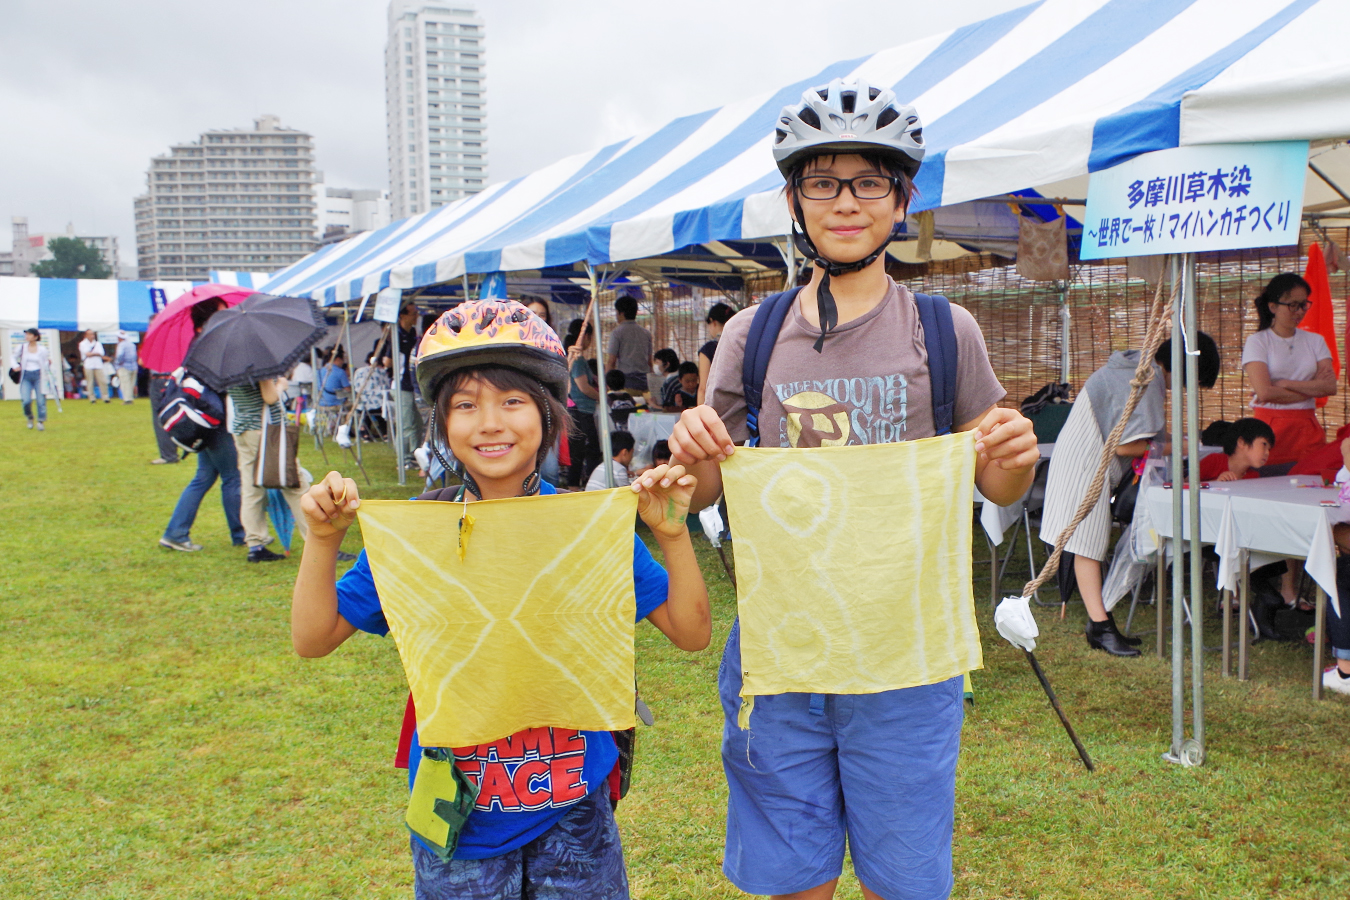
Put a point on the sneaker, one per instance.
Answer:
(42, 426)
(262, 554)
(161, 461)
(1333, 680)
(30, 423)
(185, 546)
(346, 557)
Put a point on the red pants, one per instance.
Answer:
(1297, 431)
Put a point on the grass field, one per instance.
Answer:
(159, 738)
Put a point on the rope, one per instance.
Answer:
(1160, 325)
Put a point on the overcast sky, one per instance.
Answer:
(91, 90)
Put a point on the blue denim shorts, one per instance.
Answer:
(579, 857)
(813, 772)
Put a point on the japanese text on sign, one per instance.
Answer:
(1191, 199)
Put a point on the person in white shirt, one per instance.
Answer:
(92, 357)
(302, 379)
(1289, 369)
(621, 445)
(31, 361)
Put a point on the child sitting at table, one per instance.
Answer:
(1246, 447)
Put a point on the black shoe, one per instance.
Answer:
(262, 554)
(1132, 641)
(1101, 636)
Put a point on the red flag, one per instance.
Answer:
(1319, 318)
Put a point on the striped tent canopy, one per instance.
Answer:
(77, 304)
(1046, 92)
(254, 280)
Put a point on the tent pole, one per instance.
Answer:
(1064, 320)
(1178, 553)
(394, 339)
(1193, 447)
(351, 370)
(602, 405)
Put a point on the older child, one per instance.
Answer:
(848, 366)
(497, 376)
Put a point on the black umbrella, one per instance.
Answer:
(258, 339)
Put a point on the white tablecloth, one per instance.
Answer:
(1273, 518)
(995, 519)
(646, 429)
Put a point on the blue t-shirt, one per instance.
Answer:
(333, 380)
(527, 781)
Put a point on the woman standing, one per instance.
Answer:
(1289, 369)
(31, 361)
(718, 316)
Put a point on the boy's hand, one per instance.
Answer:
(330, 506)
(663, 499)
(1005, 438)
(700, 435)
(1226, 476)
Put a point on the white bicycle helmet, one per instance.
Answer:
(848, 117)
(844, 117)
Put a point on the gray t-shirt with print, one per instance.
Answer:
(870, 384)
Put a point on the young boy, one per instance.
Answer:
(621, 444)
(686, 397)
(621, 403)
(1246, 448)
(875, 771)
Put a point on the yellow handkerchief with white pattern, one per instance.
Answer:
(853, 566)
(532, 628)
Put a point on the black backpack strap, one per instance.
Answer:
(939, 339)
(764, 328)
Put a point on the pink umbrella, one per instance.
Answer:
(166, 343)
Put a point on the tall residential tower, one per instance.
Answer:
(236, 200)
(435, 104)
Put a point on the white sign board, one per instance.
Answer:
(1196, 199)
(386, 305)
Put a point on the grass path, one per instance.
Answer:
(159, 739)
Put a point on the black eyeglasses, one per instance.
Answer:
(1297, 306)
(864, 187)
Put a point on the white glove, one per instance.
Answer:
(711, 520)
(1014, 621)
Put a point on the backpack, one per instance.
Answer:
(939, 339)
(190, 412)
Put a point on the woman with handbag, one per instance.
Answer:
(29, 364)
(267, 459)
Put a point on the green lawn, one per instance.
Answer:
(158, 737)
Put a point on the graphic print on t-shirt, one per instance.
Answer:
(531, 770)
(838, 412)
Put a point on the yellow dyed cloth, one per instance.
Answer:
(533, 628)
(853, 566)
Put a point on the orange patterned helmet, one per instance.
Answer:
(491, 333)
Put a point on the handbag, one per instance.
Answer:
(277, 466)
(16, 373)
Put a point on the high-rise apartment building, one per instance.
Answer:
(235, 200)
(435, 104)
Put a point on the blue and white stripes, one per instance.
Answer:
(1045, 92)
(76, 304)
(252, 280)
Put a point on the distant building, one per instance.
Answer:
(33, 248)
(343, 212)
(435, 104)
(239, 200)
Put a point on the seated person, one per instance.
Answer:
(621, 403)
(669, 361)
(686, 395)
(661, 453)
(621, 444)
(1325, 460)
(1246, 447)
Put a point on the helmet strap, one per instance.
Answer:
(826, 309)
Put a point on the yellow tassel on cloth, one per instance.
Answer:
(534, 628)
(853, 566)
